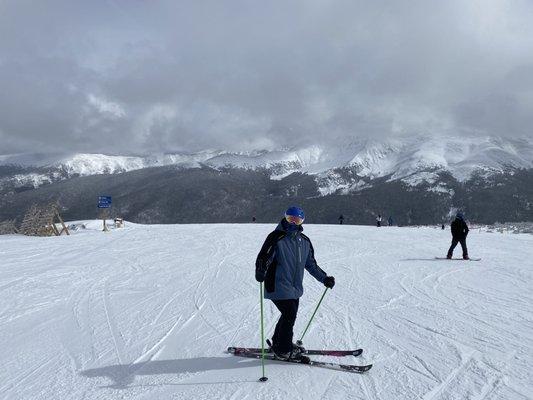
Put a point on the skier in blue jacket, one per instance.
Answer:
(280, 264)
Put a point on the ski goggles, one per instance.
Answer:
(294, 219)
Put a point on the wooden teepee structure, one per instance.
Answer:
(42, 220)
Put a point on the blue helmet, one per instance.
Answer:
(460, 215)
(295, 215)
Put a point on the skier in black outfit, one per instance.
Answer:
(341, 219)
(280, 264)
(459, 234)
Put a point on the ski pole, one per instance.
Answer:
(263, 378)
(299, 342)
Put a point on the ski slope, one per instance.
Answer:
(146, 312)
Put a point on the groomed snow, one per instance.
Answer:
(146, 312)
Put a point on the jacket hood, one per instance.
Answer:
(286, 227)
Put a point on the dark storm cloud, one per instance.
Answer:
(152, 76)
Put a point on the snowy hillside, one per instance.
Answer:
(94, 164)
(402, 157)
(413, 159)
(145, 312)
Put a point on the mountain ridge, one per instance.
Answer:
(414, 160)
(204, 195)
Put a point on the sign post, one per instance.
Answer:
(104, 203)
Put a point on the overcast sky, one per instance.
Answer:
(162, 76)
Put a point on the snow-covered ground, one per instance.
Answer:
(146, 312)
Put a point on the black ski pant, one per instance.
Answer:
(282, 339)
(456, 240)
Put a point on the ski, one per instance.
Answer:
(333, 353)
(358, 369)
(457, 259)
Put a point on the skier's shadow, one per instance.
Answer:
(123, 375)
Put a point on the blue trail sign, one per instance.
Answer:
(104, 201)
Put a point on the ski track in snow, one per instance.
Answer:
(146, 312)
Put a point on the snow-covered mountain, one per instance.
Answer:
(96, 164)
(412, 159)
(399, 158)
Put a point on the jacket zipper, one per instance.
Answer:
(299, 258)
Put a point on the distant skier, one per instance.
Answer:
(442, 226)
(459, 233)
(378, 220)
(253, 219)
(280, 264)
(390, 220)
(341, 219)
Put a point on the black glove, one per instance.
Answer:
(329, 282)
(259, 276)
(260, 269)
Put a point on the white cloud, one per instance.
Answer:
(107, 107)
(164, 75)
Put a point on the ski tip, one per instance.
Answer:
(367, 368)
(363, 368)
(358, 369)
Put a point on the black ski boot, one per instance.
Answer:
(299, 348)
(295, 354)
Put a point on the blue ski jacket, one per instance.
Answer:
(282, 260)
